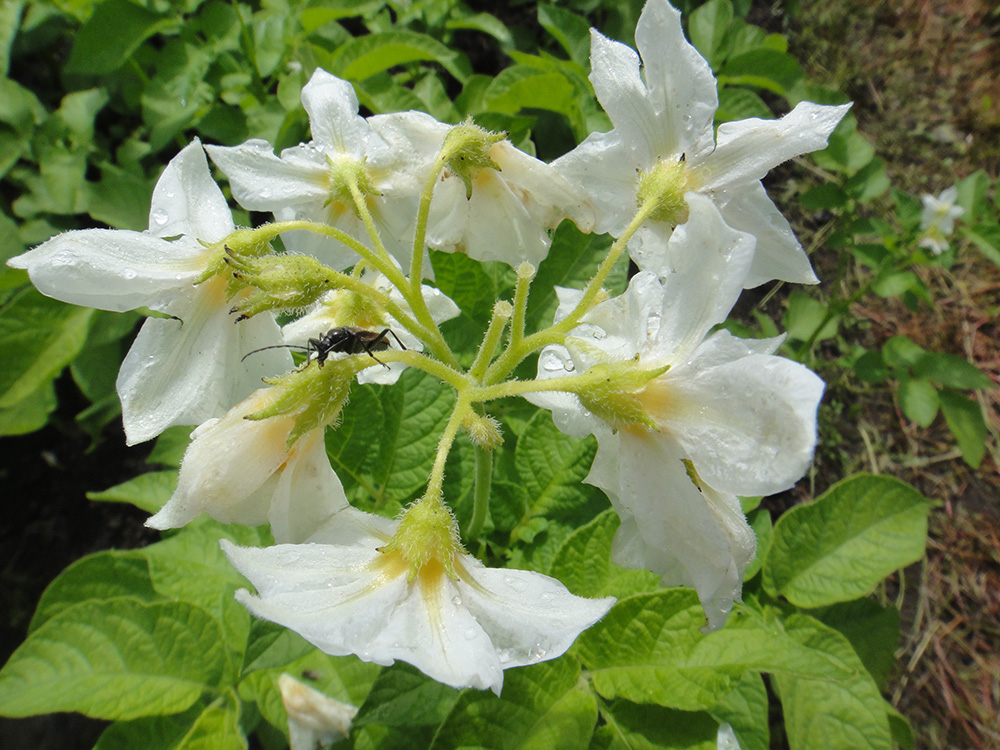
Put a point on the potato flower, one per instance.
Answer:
(663, 144)
(354, 590)
(724, 417)
(241, 470)
(314, 720)
(312, 181)
(184, 368)
(938, 219)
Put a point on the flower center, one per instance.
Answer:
(426, 542)
(662, 188)
(346, 175)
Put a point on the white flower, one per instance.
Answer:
(344, 596)
(663, 121)
(238, 470)
(506, 214)
(938, 219)
(314, 720)
(728, 418)
(340, 307)
(308, 180)
(179, 371)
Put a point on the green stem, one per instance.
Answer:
(423, 214)
(498, 322)
(436, 481)
(368, 220)
(481, 493)
(555, 333)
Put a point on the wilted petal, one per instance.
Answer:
(314, 720)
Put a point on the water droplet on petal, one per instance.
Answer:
(470, 634)
(551, 361)
(160, 217)
(128, 273)
(515, 583)
(457, 601)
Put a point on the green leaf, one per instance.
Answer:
(115, 659)
(10, 19)
(571, 262)
(30, 413)
(745, 709)
(844, 714)
(918, 399)
(965, 420)
(871, 368)
(633, 727)
(901, 352)
(583, 563)
(707, 27)
(403, 696)
(985, 236)
(154, 733)
(111, 35)
(148, 492)
(570, 30)
(740, 104)
(824, 197)
(768, 69)
(873, 631)
(972, 192)
(120, 198)
(841, 545)
(170, 446)
(952, 371)
(552, 467)
(547, 705)
(38, 338)
(640, 652)
(520, 87)
(760, 522)
(104, 575)
(364, 56)
(894, 284)
(805, 315)
(485, 23)
(869, 182)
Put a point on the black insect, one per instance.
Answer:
(346, 339)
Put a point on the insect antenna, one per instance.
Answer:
(276, 346)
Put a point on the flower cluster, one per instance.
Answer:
(938, 219)
(686, 419)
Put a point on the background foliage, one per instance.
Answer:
(97, 96)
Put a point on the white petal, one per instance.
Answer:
(681, 86)
(229, 462)
(112, 269)
(706, 263)
(308, 493)
(529, 617)
(686, 536)
(182, 373)
(749, 425)
(778, 255)
(548, 195)
(748, 149)
(260, 181)
(332, 106)
(325, 249)
(449, 215)
(614, 71)
(604, 167)
(187, 201)
(500, 226)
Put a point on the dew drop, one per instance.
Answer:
(515, 583)
(128, 273)
(160, 217)
(536, 653)
(551, 361)
(470, 634)
(457, 601)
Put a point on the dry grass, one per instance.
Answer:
(923, 74)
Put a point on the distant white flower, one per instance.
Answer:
(346, 597)
(308, 181)
(938, 219)
(314, 720)
(179, 371)
(728, 418)
(239, 470)
(500, 214)
(726, 738)
(340, 307)
(663, 124)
